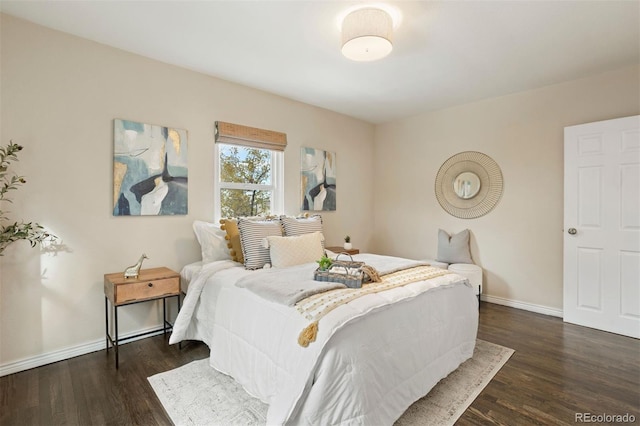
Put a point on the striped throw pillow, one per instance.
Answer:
(301, 225)
(252, 235)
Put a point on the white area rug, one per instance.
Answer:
(196, 394)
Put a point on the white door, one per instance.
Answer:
(602, 225)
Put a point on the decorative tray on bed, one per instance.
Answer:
(347, 272)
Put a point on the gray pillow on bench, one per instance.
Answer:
(454, 248)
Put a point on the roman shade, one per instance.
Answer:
(236, 134)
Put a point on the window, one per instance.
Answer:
(249, 170)
(249, 181)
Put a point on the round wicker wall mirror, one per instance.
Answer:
(469, 185)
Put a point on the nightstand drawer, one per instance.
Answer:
(146, 290)
(151, 284)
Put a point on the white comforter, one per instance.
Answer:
(372, 358)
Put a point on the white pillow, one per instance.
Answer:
(212, 242)
(291, 251)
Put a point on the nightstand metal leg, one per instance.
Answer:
(115, 314)
(106, 323)
(164, 316)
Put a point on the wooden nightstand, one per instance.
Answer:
(338, 249)
(151, 284)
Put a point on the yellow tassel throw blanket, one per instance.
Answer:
(317, 306)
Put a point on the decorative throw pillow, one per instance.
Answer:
(212, 241)
(230, 226)
(454, 248)
(252, 233)
(301, 225)
(296, 250)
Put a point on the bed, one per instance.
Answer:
(371, 359)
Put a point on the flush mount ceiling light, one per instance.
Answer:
(366, 34)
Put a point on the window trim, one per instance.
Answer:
(277, 182)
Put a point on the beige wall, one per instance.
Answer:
(59, 97)
(519, 243)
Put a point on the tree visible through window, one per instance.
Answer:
(246, 181)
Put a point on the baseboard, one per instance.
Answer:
(523, 305)
(68, 352)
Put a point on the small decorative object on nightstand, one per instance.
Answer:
(347, 243)
(150, 284)
(338, 249)
(133, 270)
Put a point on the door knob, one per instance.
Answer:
(572, 231)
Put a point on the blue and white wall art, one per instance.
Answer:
(149, 169)
(318, 179)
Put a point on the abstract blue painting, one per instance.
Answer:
(318, 179)
(150, 172)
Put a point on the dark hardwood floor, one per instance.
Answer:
(558, 370)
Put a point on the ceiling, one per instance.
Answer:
(445, 52)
